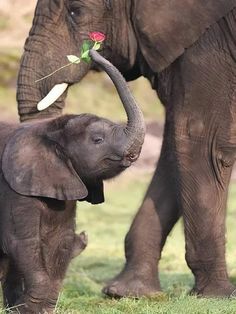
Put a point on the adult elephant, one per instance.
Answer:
(187, 50)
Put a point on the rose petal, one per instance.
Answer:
(97, 36)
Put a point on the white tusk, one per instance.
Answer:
(52, 96)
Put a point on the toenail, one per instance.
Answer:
(112, 290)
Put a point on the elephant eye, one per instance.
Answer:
(74, 12)
(98, 140)
(74, 9)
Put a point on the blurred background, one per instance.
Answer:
(108, 223)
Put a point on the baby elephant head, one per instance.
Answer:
(68, 158)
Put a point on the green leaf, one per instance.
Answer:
(73, 59)
(85, 54)
(86, 57)
(87, 45)
(87, 60)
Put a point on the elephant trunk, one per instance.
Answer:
(37, 62)
(135, 128)
(29, 93)
(40, 95)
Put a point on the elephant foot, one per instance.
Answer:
(219, 289)
(26, 309)
(133, 284)
(28, 304)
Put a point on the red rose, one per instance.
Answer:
(97, 36)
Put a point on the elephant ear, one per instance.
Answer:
(165, 28)
(35, 166)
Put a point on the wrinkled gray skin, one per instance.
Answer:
(186, 49)
(45, 167)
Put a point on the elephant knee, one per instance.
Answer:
(226, 155)
(222, 158)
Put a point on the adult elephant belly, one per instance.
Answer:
(193, 173)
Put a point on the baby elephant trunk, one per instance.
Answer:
(135, 128)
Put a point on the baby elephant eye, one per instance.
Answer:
(98, 140)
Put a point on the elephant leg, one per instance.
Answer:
(40, 295)
(204, 223)
(12, 285)
(204, 132)
(204, 172)
(41, 273)
(40, 291)
(148, 232)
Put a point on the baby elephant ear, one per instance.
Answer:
(35, 166)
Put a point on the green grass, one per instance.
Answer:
(106, 226)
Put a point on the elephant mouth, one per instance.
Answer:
(123, 162)
(132, 157)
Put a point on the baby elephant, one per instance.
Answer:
(45, 167)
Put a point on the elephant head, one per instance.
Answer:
(59, 29)
(142, 37)
(68, 157)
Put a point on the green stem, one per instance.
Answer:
(96, 46)
(64, 66)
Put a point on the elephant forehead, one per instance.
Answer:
(101, 125)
